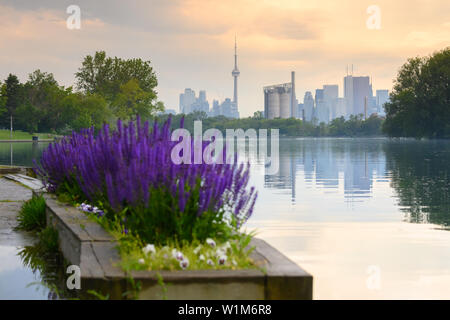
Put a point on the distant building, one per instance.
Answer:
(187, 99)
(322, 113)
(280, 100)
(190, 103)
(301, 111)
(330, 97)
(356, 92)
(340, 108)
(382, 96)
(308, 106)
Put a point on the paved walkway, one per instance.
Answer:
(11, 197)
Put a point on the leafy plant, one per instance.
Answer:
(32, 215)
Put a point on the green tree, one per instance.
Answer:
(28, 117)
(420, 101)
(105, 75)
(132, 100)
(12, 98)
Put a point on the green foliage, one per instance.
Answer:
(339, 127)
(48, 239)
(420, 101)
(32, 215)
(127, 85)
(110, 88)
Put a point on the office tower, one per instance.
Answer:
(330, 96)
(382, 96)
(186, 100)
(308, 106)
(340, 110)
(279, 100)
(215, 110)
(348, 95)
(356, 93)
(190, 103)
(321, 110)
(319, 95)
(300, 111)
(361, 92)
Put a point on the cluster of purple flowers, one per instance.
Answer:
(123, 166)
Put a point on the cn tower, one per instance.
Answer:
(235, 73)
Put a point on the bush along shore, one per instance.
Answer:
(165, 216)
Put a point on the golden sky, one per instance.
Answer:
(190, 43)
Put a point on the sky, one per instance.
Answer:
(190, 43)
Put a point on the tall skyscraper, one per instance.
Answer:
(382, 97)
(308, 106)
(357, 94)
(187, 99)
(235, 73)
(330, 96)
(348, 95)
(190, 103)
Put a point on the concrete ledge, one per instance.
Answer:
(87, 244)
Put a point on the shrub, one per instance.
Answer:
(129, 173)
(32, 215)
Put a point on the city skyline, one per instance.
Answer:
(192, 41)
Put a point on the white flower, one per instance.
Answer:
(210, 262)
(201, 258)
(226, 246)
(184, 263)
(141, 261)
(211, 242)
(234, 262)
(220, 252)
(197, 250)
(222, 260)
(177, 254)
(149, 248)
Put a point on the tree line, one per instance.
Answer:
(106, 89)
(420, 101)
(339, 127)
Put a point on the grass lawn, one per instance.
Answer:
(20, 135)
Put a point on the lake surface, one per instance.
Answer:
(368, 218)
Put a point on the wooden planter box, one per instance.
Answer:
(86, 244)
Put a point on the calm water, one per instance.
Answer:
(369, 218)
(21, 154)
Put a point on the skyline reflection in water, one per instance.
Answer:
(342, 208)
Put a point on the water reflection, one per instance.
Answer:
(21, 153)
(342, 207)
(420, 176)
(417, 171)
